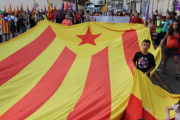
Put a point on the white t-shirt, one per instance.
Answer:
(177, 115)
(15, 19)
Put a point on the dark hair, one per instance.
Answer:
(12, 13)
(146, 41)
(5, 14)
(178, 18)
(154, 19)
(171, 30)
(179, 105)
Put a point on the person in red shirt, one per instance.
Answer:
(137, 19)
(52, 16)
(66, 21)
(77, 18)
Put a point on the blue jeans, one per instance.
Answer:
(0, 38)
(23, 29)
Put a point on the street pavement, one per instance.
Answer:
(166, 81)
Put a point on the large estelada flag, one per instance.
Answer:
(79, 72)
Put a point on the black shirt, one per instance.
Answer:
(144, 62)
(32, 22)
(21, 22)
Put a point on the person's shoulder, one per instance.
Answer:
(150, 54)
(138, 53)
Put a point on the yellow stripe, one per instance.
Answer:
(154, 98)
(21, 41)
(16, 88)
(121, 79)
(63, 101)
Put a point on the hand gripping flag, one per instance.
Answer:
(76, 73)
(104, 8)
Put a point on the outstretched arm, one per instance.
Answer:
(167, 109)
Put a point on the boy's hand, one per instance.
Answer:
(146, 73)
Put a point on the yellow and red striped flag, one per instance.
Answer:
(148, 101)
(104, 8)
(49, 10)
(5, 25)
(88, 76)
(8, 10)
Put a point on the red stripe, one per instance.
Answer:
(45, 88)
(135, 111)
(13, 64)
(131, 46)
(95, 101)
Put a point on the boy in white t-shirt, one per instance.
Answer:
(176, 108)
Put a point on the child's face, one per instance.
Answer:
(145, 46)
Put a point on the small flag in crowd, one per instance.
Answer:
(22, 9)
(28, 10)
(10, 8)
(67, 7)
(147, 12)
(104, 8)
(62, 9)
(45, 9)
(18, 10)
(178, 6)
(14, 10)
(4, 9)
(49, 10)
(72, 10)
(55, 9)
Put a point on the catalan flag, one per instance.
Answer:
(49, 10)
(82, 72)
(5, 25)
(8, 10)
(104, 8)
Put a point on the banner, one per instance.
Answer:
(80, 72)
(110, 19)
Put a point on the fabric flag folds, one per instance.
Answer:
(89, 76)
(148, 101)
(104, 8)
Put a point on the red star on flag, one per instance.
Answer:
(88, 38)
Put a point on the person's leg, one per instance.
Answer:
(5, 36)
(8, 36)
(0, 38)
(158, 39)
(13, 34)
(165, 61)
(176, 64)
